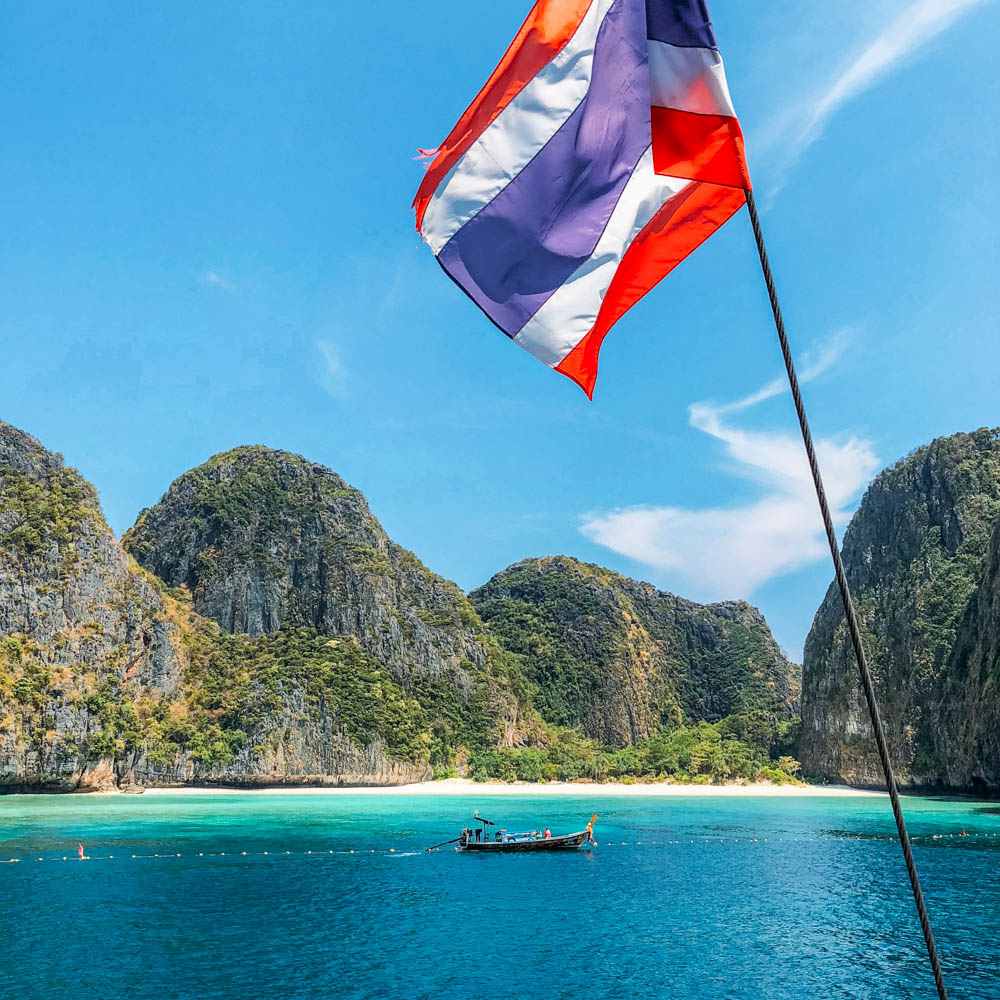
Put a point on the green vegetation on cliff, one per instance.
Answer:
(623, 660)
(738, 748)
(261, 499)
(240, 683)
(41, 500)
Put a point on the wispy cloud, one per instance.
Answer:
(215, 278)
(874, 58)
(812, 363)
(917, 25)
(333, 373)
(727, 552)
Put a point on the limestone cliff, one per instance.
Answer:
(264, 538)
(81, 627)
(622, 659)
(274, 634)
(918, 559)
(106, 678)
(971, 716)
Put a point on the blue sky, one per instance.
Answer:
(208, 242)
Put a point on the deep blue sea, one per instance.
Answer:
(684, 897)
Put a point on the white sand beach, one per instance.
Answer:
(482, 789)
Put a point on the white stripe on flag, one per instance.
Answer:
(569, 313)
(511, 141)
(688, 79)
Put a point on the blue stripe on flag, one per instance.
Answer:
(680, 22)
(545, 223)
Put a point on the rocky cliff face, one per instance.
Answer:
(971, 716)
(293, 707)
(108, 679)
(79, 624)
(264, 538)
(921, 567)
(275, 635)
(622, 659)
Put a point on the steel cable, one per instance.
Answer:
(851, 617)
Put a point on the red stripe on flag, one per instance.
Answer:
(549, 26)
(677, 229)
(699, 147)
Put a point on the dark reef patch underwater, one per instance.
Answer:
(739, 898)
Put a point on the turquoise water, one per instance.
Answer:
(676, 901)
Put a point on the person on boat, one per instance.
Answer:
(547, 834)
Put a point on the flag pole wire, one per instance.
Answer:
(849, 612)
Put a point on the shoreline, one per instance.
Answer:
(467, 787)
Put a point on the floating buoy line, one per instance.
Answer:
(929, 839)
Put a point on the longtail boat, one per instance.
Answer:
(501, 841)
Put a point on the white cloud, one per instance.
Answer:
(213, 277)
(333, 373)
(727, 552)
(812, 363)
(918, 23)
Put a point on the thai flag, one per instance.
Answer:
(601, 152)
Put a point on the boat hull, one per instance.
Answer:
(569, 842)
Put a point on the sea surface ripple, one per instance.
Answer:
(736, 898)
